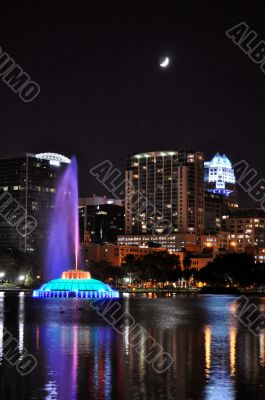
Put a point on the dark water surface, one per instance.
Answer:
(79, 356)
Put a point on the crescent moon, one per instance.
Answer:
(164, 63)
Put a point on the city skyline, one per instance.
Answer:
(132, 200)
(97, 90)
(165, 193)
(103, 191)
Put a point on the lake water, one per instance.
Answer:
(80, 356)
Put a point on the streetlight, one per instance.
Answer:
(2, 274)
(21, 278)
(233, 245)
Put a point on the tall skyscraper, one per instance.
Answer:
(27, 190)
(164, 192)
(220, 192)
(102, 218)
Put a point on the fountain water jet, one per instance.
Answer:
(63, 251)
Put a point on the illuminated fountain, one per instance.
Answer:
(64, 248)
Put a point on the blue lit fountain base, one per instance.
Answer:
(76, 284)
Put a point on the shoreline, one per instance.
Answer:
(254, 292)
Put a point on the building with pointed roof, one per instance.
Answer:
(220, 191)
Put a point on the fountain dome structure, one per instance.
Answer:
(76, 283)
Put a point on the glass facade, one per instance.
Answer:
(27, 188)
(104, 222)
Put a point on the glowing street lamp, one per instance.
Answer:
(21, 278)
(233, 245)
(2, 274)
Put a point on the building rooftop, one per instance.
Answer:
(99, 200)
(162, 153)
(53, 158)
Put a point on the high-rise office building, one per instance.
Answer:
(164, 192)
(213, 211)
(102, 218)
(27, 188)
(220, 192)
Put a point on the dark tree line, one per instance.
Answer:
(15, 263)
(104, 271)
(233, 269)
(236, 269)
(156, 267)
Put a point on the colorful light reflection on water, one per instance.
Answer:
(81, 357)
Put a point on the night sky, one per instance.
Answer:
(103, 94)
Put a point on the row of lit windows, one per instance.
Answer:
(18, 188)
